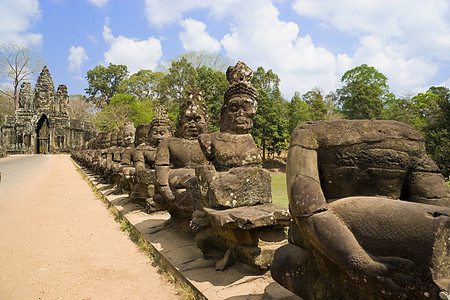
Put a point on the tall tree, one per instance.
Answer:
(298, 112)
(364, 93)
(214, 83)
(198, 59)
(80, 108)
(105, 82)
(6, 106)
(18, 64)
(143, 84)
(317, 107)
(270, 126)
(437, 134)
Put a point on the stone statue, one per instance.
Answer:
(144, 160)
(236, 190)
(371, 214)
(26, 96)
(177, 156)
(236, 161)
(126, 163)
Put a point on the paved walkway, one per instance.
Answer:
(57, 241)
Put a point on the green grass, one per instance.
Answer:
(279, 192)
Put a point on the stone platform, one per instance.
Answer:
(178, 251)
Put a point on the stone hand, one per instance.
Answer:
(387, 274)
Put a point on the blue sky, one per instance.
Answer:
(308, 43)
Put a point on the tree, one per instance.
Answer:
(125, 108)
(104, 83)
(6, 106)
(437, 133)
(214, 61)
(214, 83)
(364, 93)
(80, 108)
(18, 64)
(181, 76)
(143, 84)
(317, 107)
(270, 125)
(298, 112)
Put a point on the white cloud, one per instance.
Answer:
(260, 39)
(404, 73)
(424, 26)
(77, 57)
(98, 3)
(195, 38)
(135, 54)
(405, 40)
(163, 12)
(15, 22)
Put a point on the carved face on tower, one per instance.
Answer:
(129, 134)
(240, 101)
(193, 117)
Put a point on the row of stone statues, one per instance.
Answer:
(369, 210)
(213, 184)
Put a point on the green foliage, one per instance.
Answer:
(214, 83)
(309, 107)
(364, 93)
(437, 133)
(104, 83)
(6, 107)
(143, 84)
(298, 112)
(270, 125)
(125, 108)
(199, 59)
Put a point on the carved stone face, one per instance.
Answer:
(192, 124)
(238, 117)
(158, 133)
(128, 137)
(141, 134)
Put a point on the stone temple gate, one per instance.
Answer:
(42, 124)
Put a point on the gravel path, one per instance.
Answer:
(58, 241)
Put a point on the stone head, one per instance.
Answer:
(160, 127)
(240, 101)
(107, 142)
(129, 134)
(141, 134)
(193, 117)
(120, 136)
(114, 134)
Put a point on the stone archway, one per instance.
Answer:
(43, 135)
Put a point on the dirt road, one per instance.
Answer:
(58, 241)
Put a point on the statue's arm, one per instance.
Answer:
(162, 168)
(139, 161)
(325, 231)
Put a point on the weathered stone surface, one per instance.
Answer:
(241, 186)
(357, 233)
(26, 96)
(274, 291)
(177, 156)
(250, 217)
